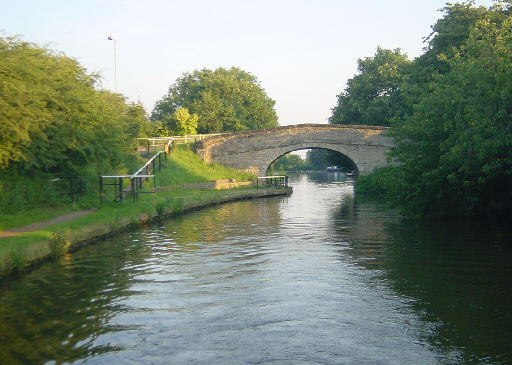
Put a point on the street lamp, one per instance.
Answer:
(110, 38)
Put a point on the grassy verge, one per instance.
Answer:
(18, 252)
(111, 215)
(33, 215)
(183, 167)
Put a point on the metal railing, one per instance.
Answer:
(136, 179)
(193, 137)
(73, 184)
(147, 145)
(278, 180)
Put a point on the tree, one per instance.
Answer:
(448, 34)
(373, 97)
(54, 121)
(186, 123)
(288, 163)
(453, 146)
(320, 159)
(317, 159)
(224, 101)
(454, 151)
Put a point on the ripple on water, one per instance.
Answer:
(317, 277)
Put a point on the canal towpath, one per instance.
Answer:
(34, 249)
(46, 223)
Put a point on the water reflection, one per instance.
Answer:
(57, 311)
(457, 274)
(460, 272)
(318, 277)
(246, 218)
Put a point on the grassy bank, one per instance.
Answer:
(183, 167)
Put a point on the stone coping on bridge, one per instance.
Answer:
(293, 127)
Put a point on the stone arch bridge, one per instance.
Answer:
(254, 151)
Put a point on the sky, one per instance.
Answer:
(301, 51)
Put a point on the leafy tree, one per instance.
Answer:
(317, 159)
(53, 121)
(180, 122)
(288, 163)
(224, 101)
(320, 159)
(186, 123)
(373, 97)
(448, 34)
(388, 84)
(454, 151)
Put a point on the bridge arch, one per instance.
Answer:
(312, 148)
(254, 151)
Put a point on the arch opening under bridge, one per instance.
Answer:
(321, 161)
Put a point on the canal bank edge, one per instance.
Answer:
(34, 255)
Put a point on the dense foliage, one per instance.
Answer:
(224, 101)
(54, 122)
(288, 163)
(373, 96)
(454, 138)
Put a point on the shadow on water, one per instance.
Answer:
(62, 310)
(57, 311)
(270, 279)
(457, 274)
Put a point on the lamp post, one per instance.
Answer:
(110, 38)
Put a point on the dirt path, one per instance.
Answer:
(39, 225)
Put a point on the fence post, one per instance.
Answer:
(101, 190)
(120, 189)
(132, 183)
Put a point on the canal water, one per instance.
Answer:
(320, 277)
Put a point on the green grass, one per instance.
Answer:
(111, 216)
(33, 215)
(183, 167)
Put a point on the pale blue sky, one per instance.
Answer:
(302, 52)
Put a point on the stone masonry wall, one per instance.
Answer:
(254, 151)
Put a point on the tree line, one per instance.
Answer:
(449, 111)
(56, 120)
